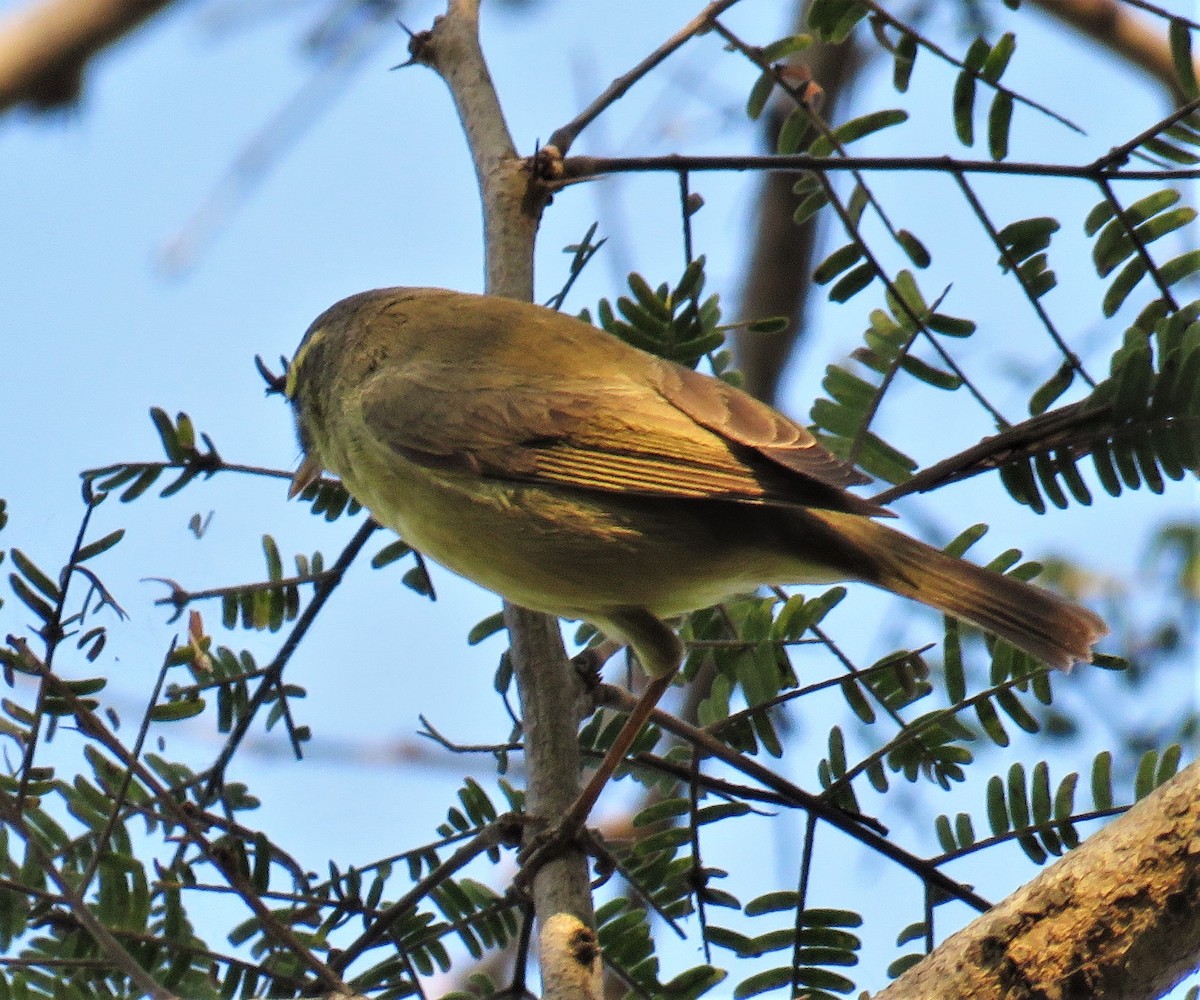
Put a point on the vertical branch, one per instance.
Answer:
(777, 281)
(511, 210)
(551, 702)
(552, 705)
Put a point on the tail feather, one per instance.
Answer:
(1037, 621)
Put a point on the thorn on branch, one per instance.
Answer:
(418, 47)
(178, 598)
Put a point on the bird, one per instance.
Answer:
(574, 474)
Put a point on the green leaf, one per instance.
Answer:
(999, 125)
(145, 479)
(1180, 35)
(1050, 390)
(648, 299)
(760, 93)
(903, 60)
(1169, 764)
(963, 108)
(931, 376)
(902, 964)
(913, 248)
(1143, 781)
(660, 811)
(390, 553)
(731, 940)
(997, 59)
(768, 325)
(1098, 216)
(35, 576)
(964, 830)
(822, 979)
(274, 562)
(814, 199)
(1064, 798)
(1018, 802)
(773, 979)
(30, 599)
(990, 723)
(693, 983)
(93, 549)
(852, 283)
(1178, 268)
(173, 711)
(1040, 793)
(1123, 284)
(1102, 795)
(1016, 711)
(857, 128)
(945, 835)
(486, 627)
(1017, 477)
(833, 20)
(997, 807)
(166, 433)
(949, 326)
(792, 132)
(785, 47)
(837, 262)
(1026, 237)
(417, 579)
(773, 902)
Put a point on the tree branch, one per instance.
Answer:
(1117, 917)
(578, 168)
(1118, 29)
(551, 698)
(564, 137)
(778, 281)
(45, 47)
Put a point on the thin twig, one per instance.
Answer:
(1059, 426)
(493, 835)
(562, 138)
(186, 818)
(1014, 266)
(274, 670)
(859, 828)
(578, 168)
(13, 819)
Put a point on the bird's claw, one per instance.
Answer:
(544, 846)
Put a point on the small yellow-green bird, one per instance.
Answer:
(571, 473)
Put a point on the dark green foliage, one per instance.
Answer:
(842, 417)
(833, 20)
(671, 322)
(1140, 427)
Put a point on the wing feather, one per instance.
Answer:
(675, 437)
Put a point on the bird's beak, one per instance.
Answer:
(309, 472)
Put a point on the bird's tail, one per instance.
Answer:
(1042, 624)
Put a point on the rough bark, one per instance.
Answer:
(551, 705)
(1119, 917)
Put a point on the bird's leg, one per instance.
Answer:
(577, 815)
(661, 653)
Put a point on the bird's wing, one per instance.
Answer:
(682, 435)
(739, 417)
